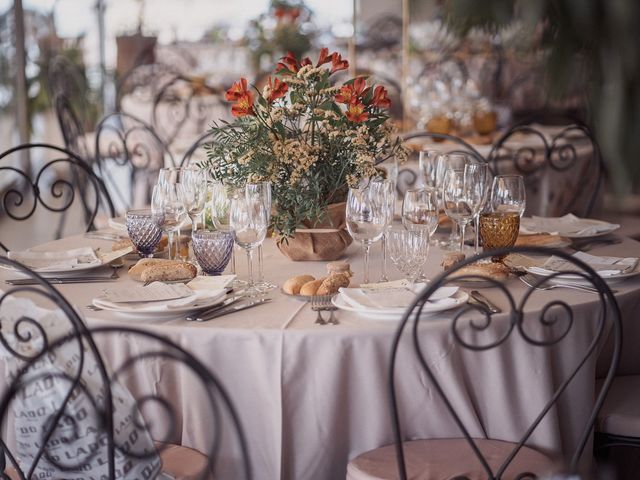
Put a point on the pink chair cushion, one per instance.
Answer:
(443, 459)
(620, 414)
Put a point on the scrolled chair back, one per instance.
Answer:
(85, 404)
(545, 329)
(52, 185)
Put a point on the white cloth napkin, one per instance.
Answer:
(604, 266)
(55, 261)
(393, 299)
(213, 282)
(197, 297)
(568, 224)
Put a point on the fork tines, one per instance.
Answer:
(322, 303)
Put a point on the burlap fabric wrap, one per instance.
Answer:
(324, 241)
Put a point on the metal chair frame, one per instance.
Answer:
(411, 321)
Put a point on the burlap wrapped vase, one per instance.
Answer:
(324, 241)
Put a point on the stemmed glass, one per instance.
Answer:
(444, 163)
(366, 216)
(169, 210)
(221, 196)
(248, 222)
(428, 167)
(478, 177)
(409, 250)
(508, 194)
(460, 199)
(192, 191)
(262, 193)
(390, 187)
(420, 213)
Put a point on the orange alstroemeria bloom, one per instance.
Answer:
(243, 106)
(324, 57)
(380, 98)
(288, 64)
(355, 90)
(277, 89)
(337, 63)
(356, 111)
(237, 90)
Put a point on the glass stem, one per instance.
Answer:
(233, 260)
(383, 241)
(462, 228)
(194, 223)
(476, 228)
(170, 243)
(260, 270)
(250, 267)
(366, 246)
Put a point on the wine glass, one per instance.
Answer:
(169, 210)
(366, 216)
(221, 196)
(420, 212)
(460, 199)
(409, 250)
(455, 160)
(478, 177)
(261, 192)
(192, 190)
(248, 222)
(428, 167)
(500, 227)
(390, 206)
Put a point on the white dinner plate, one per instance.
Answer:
(395, 314)
(127, 311)
(568, 278)
(589, 221)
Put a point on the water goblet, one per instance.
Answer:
(366, 216)
(262, 192)
(212, 249)
(420, 212)
(460, 200)
(169, 210)
(192, 191)
(455, 160)
(144, 231)
(408, 250)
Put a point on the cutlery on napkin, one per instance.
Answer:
(568, 224)
(604, 266)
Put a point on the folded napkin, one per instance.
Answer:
(568, 224)
(604, 266)
(393, 299)
(55, 261)
(200, 297)
(213, 282)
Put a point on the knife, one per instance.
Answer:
(480, 298)
(235, 308)
(207, 311)
(59, 281)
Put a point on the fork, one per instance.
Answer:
(531, 281)
(321, 304)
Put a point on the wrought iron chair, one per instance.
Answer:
(144, 81)
(184, 105)
(201, 142)
(547, 159)
(85, 419)
(474, 331)
(129, 154)
(54, 186)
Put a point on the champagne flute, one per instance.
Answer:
(248, 222)
(478, 176)
(420, 213)
(262, 192)
(169, 211)
(192, 190)
(366, 217)
(460, 200)
(390, 205)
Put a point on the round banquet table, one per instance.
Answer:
(312, 397)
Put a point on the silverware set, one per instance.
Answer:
(66, 280)
(321, 304)
(531, 281)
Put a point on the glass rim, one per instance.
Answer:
(211, 233)
(139, 212)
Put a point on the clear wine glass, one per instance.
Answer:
(508, 194)
(455, 160)
(420, 212)
(262, 192)
(459, 200)
(192, 190)
(390, 188)
(221, 196)
(428, 167)
(366, 216)
(248, 222)
(409, 250)
(170, 213)
(478, 176)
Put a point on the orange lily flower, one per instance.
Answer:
(278, 89)
(288, 64)
(324, 57)
(380, 98)
(238, 89)
(356, 111)
(243, 106)
(337, 63)
(353, 91)
(306, 61)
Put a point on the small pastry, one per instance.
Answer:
(310, 288)
(294, 284)
(334, 282)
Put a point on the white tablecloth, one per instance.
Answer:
(311, 397)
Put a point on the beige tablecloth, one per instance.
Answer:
(311, 397)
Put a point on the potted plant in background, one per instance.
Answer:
(312, 140)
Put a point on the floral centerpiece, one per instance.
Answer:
(311, 139)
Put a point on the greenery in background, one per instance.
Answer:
(596, 41)
(286, 27)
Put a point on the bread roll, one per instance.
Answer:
(451, 258)
(135, 272)
(293, 285)
(496, 271)
(333, 282)
(542, 240)
(310, 288)
(169, 272)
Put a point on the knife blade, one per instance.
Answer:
(233, 309)
(59, 281)
(480, 298)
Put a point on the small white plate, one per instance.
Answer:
(568, 278)
(394, 315)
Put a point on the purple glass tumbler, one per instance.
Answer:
(212, 249)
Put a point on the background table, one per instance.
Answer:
(311, 397)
